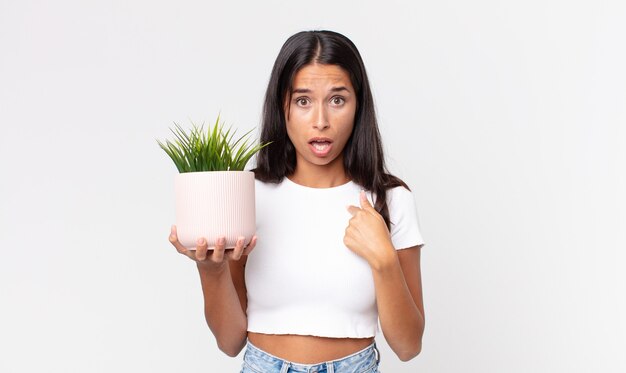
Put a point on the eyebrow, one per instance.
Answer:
(306, 90)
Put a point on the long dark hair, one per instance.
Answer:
(363, 157)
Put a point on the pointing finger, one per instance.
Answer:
(365, 203)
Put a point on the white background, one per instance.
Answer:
(506, 119)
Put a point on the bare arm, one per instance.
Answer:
(397, 279)
(399, 300)
(221, 277)
(223, 311)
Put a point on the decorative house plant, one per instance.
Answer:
(214, 195)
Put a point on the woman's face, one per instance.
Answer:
(320, 115)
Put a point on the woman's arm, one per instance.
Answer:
(399, 299)
(397, 279)
(223, 310)
(223, 287)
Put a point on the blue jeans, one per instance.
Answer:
(256, 360)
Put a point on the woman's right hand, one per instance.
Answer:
(218, 256)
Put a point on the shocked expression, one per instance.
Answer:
(320, 114)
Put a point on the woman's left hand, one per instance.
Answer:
(367, 234)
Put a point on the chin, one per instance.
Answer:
(323, 161)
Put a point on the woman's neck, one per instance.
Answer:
(319, 176)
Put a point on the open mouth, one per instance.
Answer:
(321, 146)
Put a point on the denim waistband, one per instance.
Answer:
(259, 361)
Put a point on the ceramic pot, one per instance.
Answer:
(215, 203)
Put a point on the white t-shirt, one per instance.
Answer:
(301, 278)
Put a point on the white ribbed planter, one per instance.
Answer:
(215, 203)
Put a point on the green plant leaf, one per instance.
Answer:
(213, 149)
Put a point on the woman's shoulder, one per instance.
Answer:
(266, 186)
(399, 192)
(400, 200)
(405, 228)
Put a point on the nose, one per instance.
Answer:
(320, 118)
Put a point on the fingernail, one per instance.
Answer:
(200, 241)
(221, 240)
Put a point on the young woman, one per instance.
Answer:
(339, 242)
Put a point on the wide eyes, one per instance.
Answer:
(337, 100)
(305, 101)
(302, 101)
